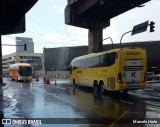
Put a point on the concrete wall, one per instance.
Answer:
(59, 58)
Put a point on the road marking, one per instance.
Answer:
(60, 88)
(120, 100)
(106, 97)
(126, 102)
(112, 125)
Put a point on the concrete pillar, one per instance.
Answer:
(1, 75)
(95, 37)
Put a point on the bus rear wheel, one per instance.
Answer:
(125, 92)
(95, 86)
(101, 87)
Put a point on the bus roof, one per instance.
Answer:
(100, 53)
(14, 66)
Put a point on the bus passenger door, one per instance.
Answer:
(79, 74)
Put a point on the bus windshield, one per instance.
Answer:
(25, 71)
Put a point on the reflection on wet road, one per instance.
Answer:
(38, 100)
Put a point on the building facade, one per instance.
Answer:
(35, 59)
(22, 41)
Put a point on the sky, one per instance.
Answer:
(45, 23)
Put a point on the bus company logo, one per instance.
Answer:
(133, 74)
(133, 53)
(6, 121)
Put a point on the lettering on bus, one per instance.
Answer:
(79, 71)
(133, 74)
(134, 63)
(133, 53)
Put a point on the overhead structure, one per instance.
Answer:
(12, 15)
(12, 20)
(95, 15)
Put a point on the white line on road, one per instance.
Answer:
(60, 88)
(126, 102)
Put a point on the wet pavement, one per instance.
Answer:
(57, 105)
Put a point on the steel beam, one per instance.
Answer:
(85, 6)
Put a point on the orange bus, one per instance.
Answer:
(20, 72)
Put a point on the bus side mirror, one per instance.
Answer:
(70, 69)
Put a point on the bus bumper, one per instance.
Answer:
(133, 86)
(23, 78)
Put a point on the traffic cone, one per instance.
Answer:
(37, 79)
(44, 79)
(55, 83)
(48, 82)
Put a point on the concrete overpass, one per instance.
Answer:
(95, 15)
(12, 15)
(12, 20)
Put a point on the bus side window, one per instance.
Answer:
(109, 59)
(116, 56)
(97, 61)
(103, 60)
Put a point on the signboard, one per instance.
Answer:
(140, 28)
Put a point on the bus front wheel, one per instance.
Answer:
(17, 79)
(74, 84)
(12, 78)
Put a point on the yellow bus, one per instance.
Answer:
(20, 72)
(115, 70)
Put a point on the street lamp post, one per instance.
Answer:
(122, 37)
(142, 27)
(52, 72)
(110, 39)
(1, 68)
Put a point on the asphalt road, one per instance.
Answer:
(57, 104)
